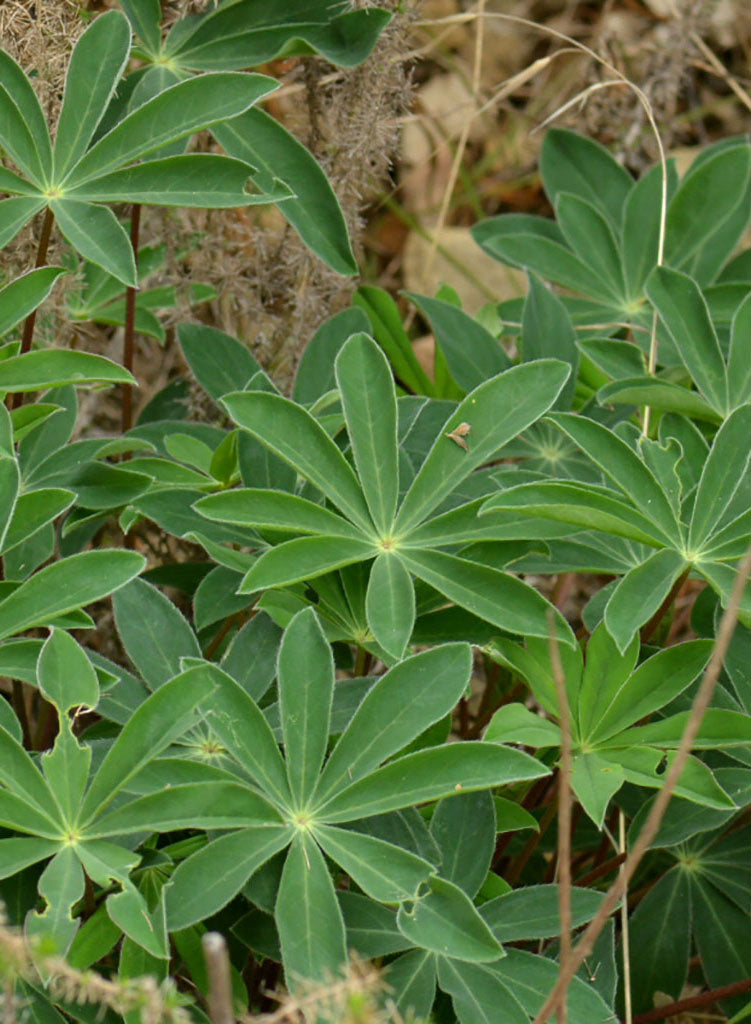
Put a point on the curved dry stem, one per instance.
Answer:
(463, 139)
(619, 79)
(616, 892)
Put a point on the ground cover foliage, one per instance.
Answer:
(357, 733)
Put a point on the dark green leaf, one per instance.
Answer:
(96, 64)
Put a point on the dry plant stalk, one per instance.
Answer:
(350, 999)
(157, 1003)
(620, 80)
(463, 138)
(625, 944)
(616, 892)
(220, 983)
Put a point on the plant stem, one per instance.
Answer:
(220, 985)
(512, 876)
(564, 809)
(130, 324)
(361, 662)
(600, 870)
(236, 619)
(17, 400)
(650, 627)
(625, 944)
(19, 706)
(714, 995)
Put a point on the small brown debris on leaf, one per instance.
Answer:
(458, 434)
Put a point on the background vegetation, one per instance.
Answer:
(410, 579)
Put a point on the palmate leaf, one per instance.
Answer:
(145, 17)
(98, 235)
(591, 237)
(66, 676)
(723, 471)
(490, 416)
(209, 879)
(580, 166)
(350, 787)
(207, 805)
(618, 461)
(495, 596)
(16, 212)
(303, 559)
(16, 137)
(164, 716)
(739, 365)
(154, 633)
(472, 353)
(46, 368)
(384, 871)
(661, 925)
(464, 829)
(26, 784)
(278, 510)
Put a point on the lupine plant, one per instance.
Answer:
(348, 727)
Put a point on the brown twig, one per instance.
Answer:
(130, 324)
(649, 628)
(714, 995)
(625, 935)
(601, 870)
(514, 872)
(463, 137)
(18, 700)
(564, 807)
(235, 619)
(656, 814)
(17, 400)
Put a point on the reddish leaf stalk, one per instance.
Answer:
(130, 323)
(17, 400)
(649, 629)
(601, 870)
(514, 873)
(715, 995)
(18, 700)
(564, 810)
